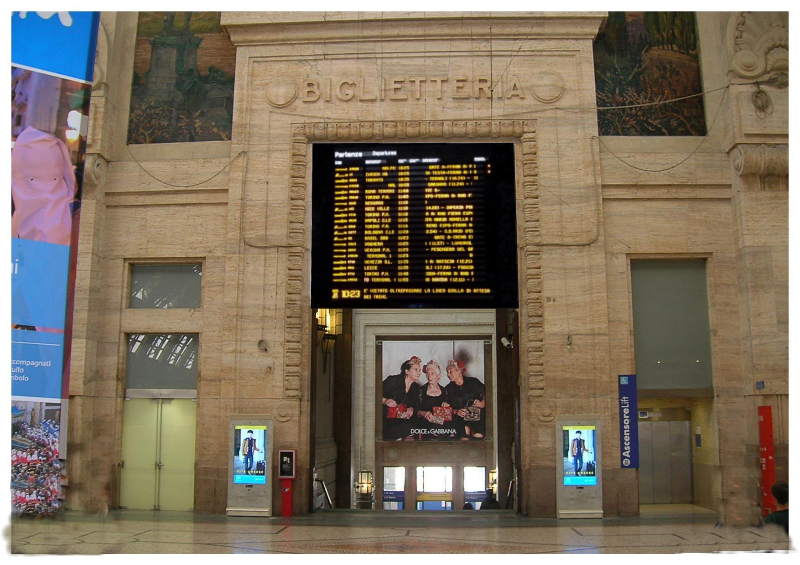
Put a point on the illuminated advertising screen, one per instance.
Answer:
(580, 461)
(249, 455)
(433, 390)
(413, 225)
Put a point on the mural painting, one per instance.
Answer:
(647, 57)
(183, 79)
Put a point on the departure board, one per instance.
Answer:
(413, 225)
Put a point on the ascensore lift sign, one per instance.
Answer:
(628, 422)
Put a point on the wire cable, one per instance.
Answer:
(212, 177)
(682, 161)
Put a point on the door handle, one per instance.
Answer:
(159, 465)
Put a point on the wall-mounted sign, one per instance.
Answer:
(287, 463)
(414, 225)
(628, 422)
(579, 452)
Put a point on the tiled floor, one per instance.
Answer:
(655, 531)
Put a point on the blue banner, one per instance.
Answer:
(58, 43)
(39, 274)
(628, 422)
(36, 359)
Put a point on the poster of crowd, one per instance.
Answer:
(433, 390)
(35, 465)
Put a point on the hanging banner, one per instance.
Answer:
(52, 59)
(58, 43)
(766, 449)
(628, 422)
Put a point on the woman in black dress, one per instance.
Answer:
(433, 396)
(400, 395)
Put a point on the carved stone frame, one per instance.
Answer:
(528, 231)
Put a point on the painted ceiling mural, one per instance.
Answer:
(647, 57)
(183, 79)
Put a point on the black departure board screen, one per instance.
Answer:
(414, 225)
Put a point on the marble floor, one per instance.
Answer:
(656, 530)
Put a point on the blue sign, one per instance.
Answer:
(58, 43)
(39, 274)
(394, 496)
(475, 496)
(36, 359)
(628, 422)
(249, 479)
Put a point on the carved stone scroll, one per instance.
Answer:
(762, 160)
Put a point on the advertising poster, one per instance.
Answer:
(249, 455)
(52, 61)
(35, 465)
(433, 390)
(580, 464)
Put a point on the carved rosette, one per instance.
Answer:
(762, 160)
(759, 44)
(532, 314)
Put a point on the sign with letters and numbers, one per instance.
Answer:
(414, 225)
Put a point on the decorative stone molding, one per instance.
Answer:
(531, 311)
(762, 160)
(759, 44)
(101, 58)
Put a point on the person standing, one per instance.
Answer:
(490, 502)
(431, 397)
(400, 396)
(780, 491)
(463, 393)
(249, 447)
(577, 450)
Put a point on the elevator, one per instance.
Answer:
(665, 463)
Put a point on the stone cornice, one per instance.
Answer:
(269, 28)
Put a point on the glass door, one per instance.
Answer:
(394, 488)
(434, 488)
(158, 453)
(474, 487)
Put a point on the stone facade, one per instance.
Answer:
(586, 206)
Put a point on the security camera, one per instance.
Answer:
(506, 343)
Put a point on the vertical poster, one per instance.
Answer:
(249, 455)
(52, 59)
(433, 390)
(580, 463)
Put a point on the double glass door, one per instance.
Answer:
(435, 488)
(158, 454)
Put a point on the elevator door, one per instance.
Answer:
(158, 437)
(665, 463)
